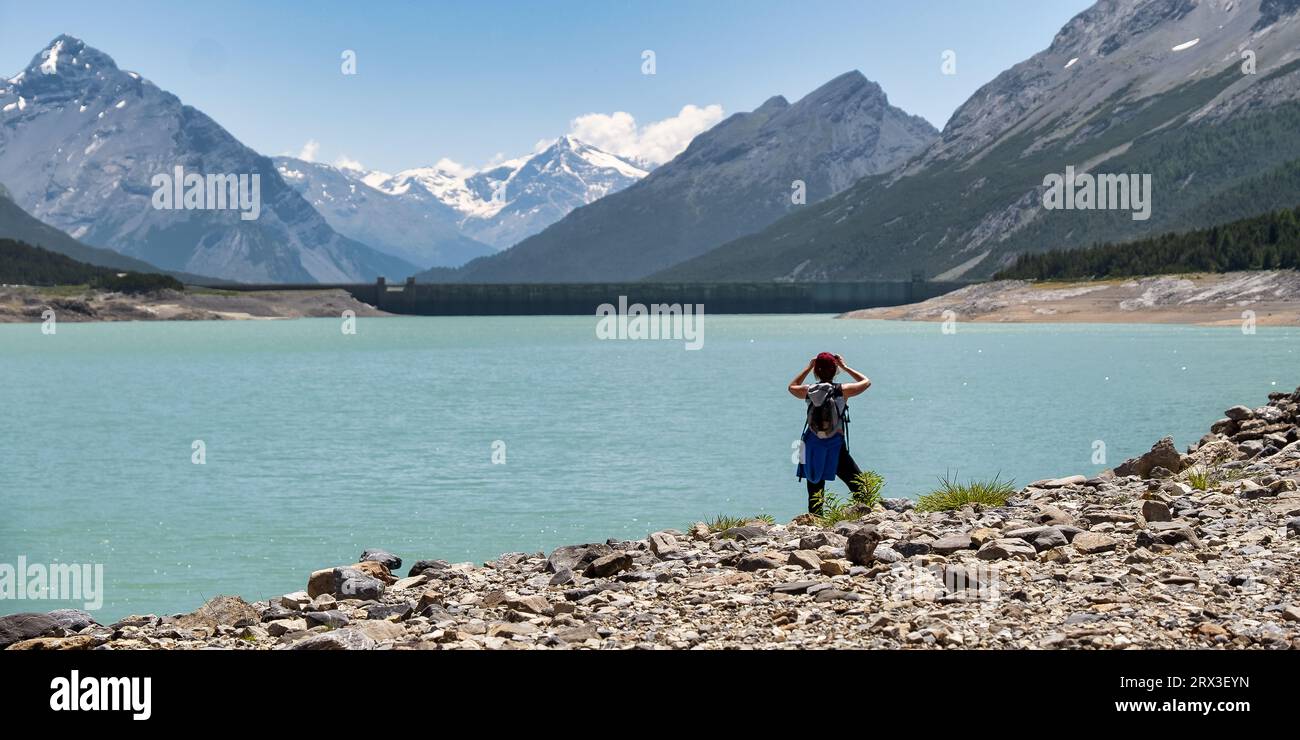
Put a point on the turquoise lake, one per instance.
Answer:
(320, 444)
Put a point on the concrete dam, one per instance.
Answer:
(540, 299)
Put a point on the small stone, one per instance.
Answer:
(663, 544)
(952, 543)
(834, 567)
(1002, 549)
(751, 563)
(982, 535)
(794, 587)
(1291, 614)
(422, 566)
(295, 601)
(1072, 480)
(834, 594)
(344, 639)
(805, 559)
(1156, 511)
(331, 618)
(284, 626)
(529, 604)
(1091, 543)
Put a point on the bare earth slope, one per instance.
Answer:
(1273, 296)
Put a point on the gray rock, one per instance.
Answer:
(912, 548)
(576, 557)
(1049, 538)
(747, 532)
(1156, 511)
(751, 563)
(1094, 542)
(822, 539)
(72, 620)
(834, 594)
(329, 618)
(1239, 413)
(341, 639)
(26, 626)
(1004, 548)
(384, 557)
(387, 611)
(421, 566)
(663, 544)
(861, 546)
(608, 565)
(952, 543)
(794, 587)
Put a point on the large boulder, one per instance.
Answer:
(861, 547)
(345, 583)
(231, 611)
(26, 626)
(1163, 454)
(609, 565)
(576, 557)
(72, 620)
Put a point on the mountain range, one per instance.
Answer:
(1199, 94)
(731, 180)
(1201, 97)
(81, 142)
(445, 216)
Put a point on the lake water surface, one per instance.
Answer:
(319, 444)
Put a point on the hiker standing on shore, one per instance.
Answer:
(823, 445)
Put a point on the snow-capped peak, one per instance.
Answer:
(506, 201)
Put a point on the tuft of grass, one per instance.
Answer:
(866, 488)
(723, 522)
(953, 494)
(834, 509)
(1199, 478)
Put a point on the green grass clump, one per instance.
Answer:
(723, 522)
(953, 494)
(834, 509)
(865, 490)
(1199, 478)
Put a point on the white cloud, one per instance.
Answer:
(655, 142)
(344, 162)
(309, 151)
(453, 167)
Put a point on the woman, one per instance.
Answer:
(825, 455)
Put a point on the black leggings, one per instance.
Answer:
(847, 471)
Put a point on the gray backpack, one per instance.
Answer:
(827, 409)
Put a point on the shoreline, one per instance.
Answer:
(1200, 299)
(80, 304)
(1169, 550)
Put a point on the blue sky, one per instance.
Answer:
(470, 81)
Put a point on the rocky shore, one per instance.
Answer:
(1194, 549)
(23, 304)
